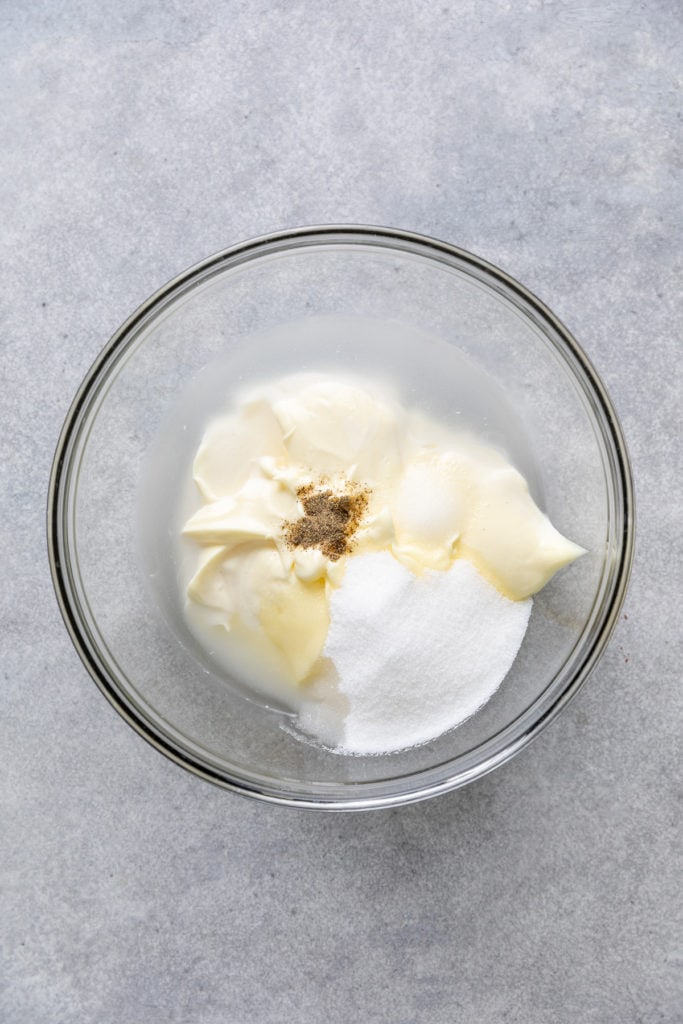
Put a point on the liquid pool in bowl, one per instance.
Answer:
(423, 372)
(254, 313)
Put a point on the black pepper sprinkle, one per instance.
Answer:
(329, 520)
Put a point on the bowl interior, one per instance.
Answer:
(442, 325)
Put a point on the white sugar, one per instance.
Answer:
(410, 657)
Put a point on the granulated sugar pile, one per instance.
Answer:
(410, 657)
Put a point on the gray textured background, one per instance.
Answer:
(137, 138)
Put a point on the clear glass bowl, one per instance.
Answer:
(130, 643)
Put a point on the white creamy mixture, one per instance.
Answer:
(446, 549)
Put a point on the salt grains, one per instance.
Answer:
(410, 657)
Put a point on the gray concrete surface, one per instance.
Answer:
(137, 138)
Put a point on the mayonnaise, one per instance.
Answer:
(432, 497)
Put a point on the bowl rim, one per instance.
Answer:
(246, 251)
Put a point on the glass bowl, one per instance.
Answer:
(228, 320)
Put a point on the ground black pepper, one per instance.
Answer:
(329, 521)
